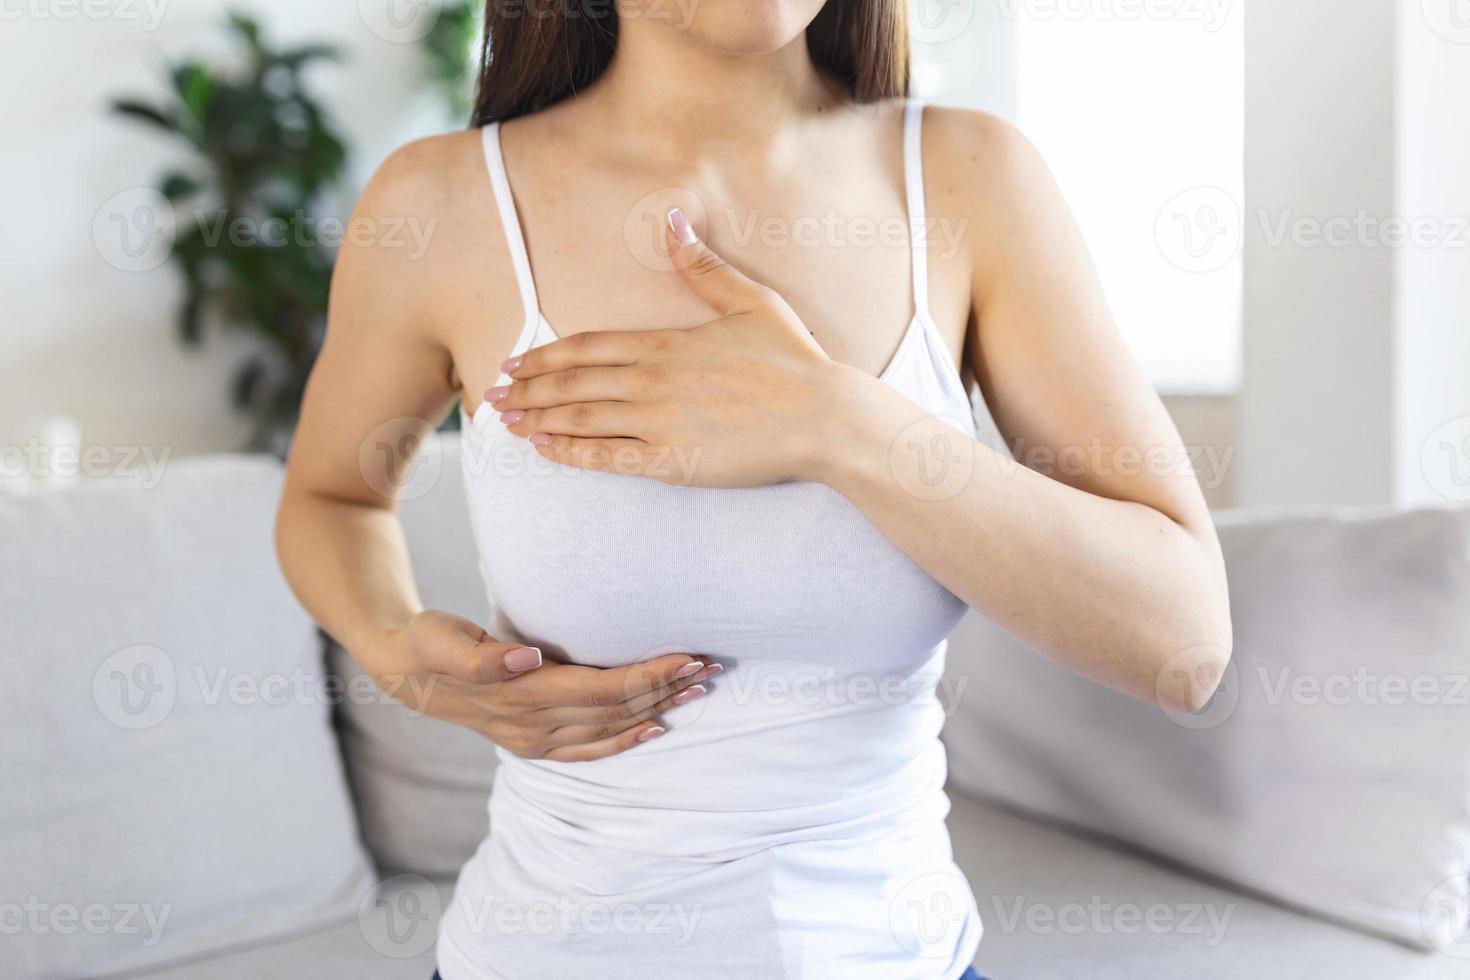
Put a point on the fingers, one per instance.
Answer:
(718, 283)
(577, 714)
(591, 751)
(584, 419)
(587, 733)
(654, 698)
(575, 384)
(457, 648)
(626, 713)
(588, 349)
(484, 663)
(561, 686)
(616, 685)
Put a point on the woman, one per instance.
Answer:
(683, 468)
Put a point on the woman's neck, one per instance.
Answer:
(690, 103)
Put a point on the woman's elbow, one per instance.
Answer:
(1194, 657)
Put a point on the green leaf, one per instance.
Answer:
(195, 87)
(296, 57)
(177, 186)
(265, 148)
(247, 28)
(191, 314)
(146, 113)
(247, 382)
(451, 49)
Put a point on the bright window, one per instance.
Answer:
(1139, 109)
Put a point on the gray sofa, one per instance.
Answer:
(193, 791)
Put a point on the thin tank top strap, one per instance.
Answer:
(913, 171)
(942, 367)
(510, 222)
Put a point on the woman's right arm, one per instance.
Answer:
(384, 378)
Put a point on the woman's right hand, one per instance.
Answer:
(535, 708)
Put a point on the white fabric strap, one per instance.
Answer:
(510, 221)
(913, 170)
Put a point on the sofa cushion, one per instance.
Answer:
(390, 937)
(1332, 769)
(422, 786)
(172, 782)
(1058, 906)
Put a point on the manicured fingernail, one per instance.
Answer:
(539, 439)
(522, 659)
(711, 670)
(689, 694)
(497, 394)
(689, 670)
(513, 416)
(509, 366)
(653, 732)
(679, 225)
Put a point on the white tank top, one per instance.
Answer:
(790, 824)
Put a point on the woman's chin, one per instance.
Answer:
(741, 33)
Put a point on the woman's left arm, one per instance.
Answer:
(1099, 553)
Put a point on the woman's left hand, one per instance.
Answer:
(743, 400)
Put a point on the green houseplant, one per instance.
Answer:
(250, 239)
(450, 49)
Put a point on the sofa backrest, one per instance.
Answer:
(1331, 770)
(172, 784)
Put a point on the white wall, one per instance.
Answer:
(1432, 435)
(1152, 172)
(1315, 408)
(1355, 360)
(87, 339)
(963, 54)
(1356, 351)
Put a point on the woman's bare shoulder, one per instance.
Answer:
(430, 177)
(978, 161)
(426, 236)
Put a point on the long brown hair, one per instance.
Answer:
(538, 52)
